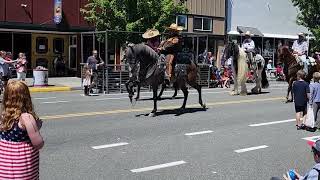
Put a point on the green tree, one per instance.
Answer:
(131, 15)
(309, 16)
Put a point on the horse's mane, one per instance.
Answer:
(233, 50)
(286, 56)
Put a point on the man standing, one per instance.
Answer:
(300, 50)
(93, 62)
(4, 67)
(171, 47)
(152, 38)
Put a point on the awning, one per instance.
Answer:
(253, 31)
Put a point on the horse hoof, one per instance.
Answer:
(243, 94)
(152, 115)
(204, 106)
(232, 93)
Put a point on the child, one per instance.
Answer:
(20, 139)
(315, 96)
(226, 78)
(301, 94)
(87, 79)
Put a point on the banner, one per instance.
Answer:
(57, 11)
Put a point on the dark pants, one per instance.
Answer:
(86, 90)
(316, 108)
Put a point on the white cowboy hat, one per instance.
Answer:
(301, 34)
(248, 33)
(150, 33)
(175, 27)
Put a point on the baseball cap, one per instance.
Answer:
(315, 144)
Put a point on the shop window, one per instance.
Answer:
(58, 45)
(42, 45)
(202, 24)
(182, 20)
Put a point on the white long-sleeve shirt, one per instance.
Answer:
(248, 44)
(301, 47)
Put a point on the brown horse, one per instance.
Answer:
(291, 67)
(147, 68)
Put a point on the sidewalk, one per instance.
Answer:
(57, 84)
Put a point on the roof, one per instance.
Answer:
(253, 31)
(268, 16)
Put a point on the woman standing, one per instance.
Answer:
(20, 139)
(21, 67)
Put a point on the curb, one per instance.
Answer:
(49, 89)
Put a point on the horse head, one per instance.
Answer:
(231, 50)
(130, 59)
(284, 54)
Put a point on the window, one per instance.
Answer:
(42, 45)
(182, 20)
(202, 24)
(58, 45)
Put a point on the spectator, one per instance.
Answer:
(4, 67)
(226, 78)
(210, 59)
(59, 65)
(314, 173)
(87, 79)
(20, 139)
(301, 94)
(21, 67)
(93, 63)
(315, 96)
(269, 68)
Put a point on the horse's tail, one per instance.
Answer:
(264, 81)
(241, 67)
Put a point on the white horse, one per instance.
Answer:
(240, 69)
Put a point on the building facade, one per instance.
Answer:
(272, 23)
(43, 29)
(204, 25)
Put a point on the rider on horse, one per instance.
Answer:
(300, 49)
(171, 47)
(152, 39)
(248, 46)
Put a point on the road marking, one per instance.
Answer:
(54, 102)
(119, 111)
(160, 166)
(270, 123)
(44, 98)
(250, 149)
(198, 133)
(118, 98)
(110, 145)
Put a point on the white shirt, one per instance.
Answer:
(248, 44)
(301, 47)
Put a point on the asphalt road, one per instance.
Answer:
(104, 137)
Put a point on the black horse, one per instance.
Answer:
(146, 67)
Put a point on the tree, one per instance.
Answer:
(132, 15)
(309, 16)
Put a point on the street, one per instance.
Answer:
(104, 137)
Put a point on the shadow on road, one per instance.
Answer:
(176, 112)
(252, 94)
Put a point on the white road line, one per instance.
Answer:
(54, 102)
(110, 145)
(270, 123)
(198, 133)
(250, 149)
(43, 98)
(160, 166)
(312, 138)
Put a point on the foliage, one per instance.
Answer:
(131, 15)
(309, 17)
